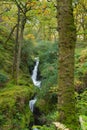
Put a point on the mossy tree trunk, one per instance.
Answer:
(16, 49)
(67, 39)
(22, 26)
(19, 40)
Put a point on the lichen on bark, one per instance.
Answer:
(67, 40)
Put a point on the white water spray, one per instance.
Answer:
(31, 104)
(34, 75)
(35, 82)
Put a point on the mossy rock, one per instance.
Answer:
(14, 109)
(42, 105)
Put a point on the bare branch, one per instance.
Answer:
(18, 4)
(10, 34)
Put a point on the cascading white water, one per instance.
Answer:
(35, 82)
(34, 75)
(31, 104)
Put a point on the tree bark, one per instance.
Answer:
(10, 34)
(19, 39)
(23, 22)
(67, 40)
(15, 71)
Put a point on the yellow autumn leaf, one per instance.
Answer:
(46, 12)
(30, 36)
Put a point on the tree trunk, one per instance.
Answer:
(16, 49)
(23, 22)
(67, 40)
(19, 40)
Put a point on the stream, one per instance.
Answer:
(36, 84)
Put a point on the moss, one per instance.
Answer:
(14, 109)
(44, 127)
(43, 106)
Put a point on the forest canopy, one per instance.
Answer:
(50, 35)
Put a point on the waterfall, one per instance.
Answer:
(35, 82)
(31, 104)
(34, 75)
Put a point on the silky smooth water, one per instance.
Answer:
(36, 83)
(34, 74)
(31, 104)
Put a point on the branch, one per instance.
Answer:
(6, 10)
(22, 7)
(18, 4)
(5, 2)
(22, 4)
(10, 33)
(52, 2)
(84, 7)
(49, 1)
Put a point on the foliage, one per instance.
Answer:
(44, 127)
(40, 39)
(48, 75)
(3, 78)
(47, 128)
(83, 120)
(53, 116)
(14, 113)
(6, 51)
(80, 66)
(27, 55)
(81, 62)
(48, 65)
(82, 103)
(81, 19)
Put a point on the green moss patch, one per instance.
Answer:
(14, 109)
